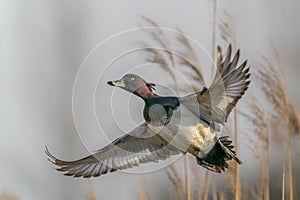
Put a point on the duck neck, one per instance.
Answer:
(144, 92)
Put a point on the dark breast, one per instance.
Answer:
(158, 110)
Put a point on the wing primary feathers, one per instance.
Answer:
(125, 152)
(229, 84)
(219, 57)
(227, 57)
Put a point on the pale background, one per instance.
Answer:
(43, 43)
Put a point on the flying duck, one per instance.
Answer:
(173, 125)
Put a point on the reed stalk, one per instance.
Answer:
(283, 175)
(237, 169)
(187, 179)
(290, 164)
(214, 184)
(176, 180)
(143, 195)
(206, 191)
(90, 194)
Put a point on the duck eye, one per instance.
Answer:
(132, 78)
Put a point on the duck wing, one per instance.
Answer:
(214, 104)
(141, 145)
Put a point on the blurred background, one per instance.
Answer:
(48, 62)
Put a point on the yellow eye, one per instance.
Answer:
(132, 78)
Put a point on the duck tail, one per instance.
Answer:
(216, 159)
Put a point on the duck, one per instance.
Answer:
(190, 124)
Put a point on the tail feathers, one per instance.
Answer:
(228, 148)
(216, 159)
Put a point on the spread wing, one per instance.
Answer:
(140, 145)
(229, 84)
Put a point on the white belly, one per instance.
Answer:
(185, 130)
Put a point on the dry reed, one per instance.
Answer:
(206, 191)
(90, 194)
(259, 121)
(272, 74)
(214, 35)
(143, 194)
(226, 26)
(230, 176)
(198, 191)
(175, 180)
(283, 174)
(8, 196)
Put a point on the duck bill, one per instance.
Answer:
(117, 83)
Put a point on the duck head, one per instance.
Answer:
(135, 84)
